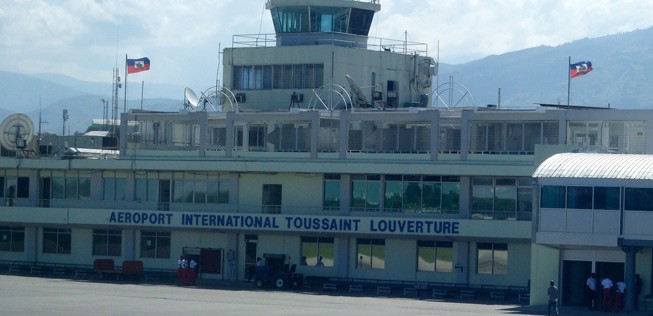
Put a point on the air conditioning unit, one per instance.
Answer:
(240, 97)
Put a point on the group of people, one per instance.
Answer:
(318, 263)
(612, 295)
(186, 271)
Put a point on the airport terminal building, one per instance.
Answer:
(326, 143)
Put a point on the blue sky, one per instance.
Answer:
(85, 39)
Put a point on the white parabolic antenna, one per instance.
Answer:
(191, 97)
(357, 90)
(17, 131)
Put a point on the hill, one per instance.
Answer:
(620, 75)
(50, 94)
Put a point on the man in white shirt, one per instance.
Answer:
(607, 294)
(619, 298)
(592, 291)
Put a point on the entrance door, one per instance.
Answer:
(574, 281)
(250, 256)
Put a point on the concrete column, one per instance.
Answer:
(461, 262)
(129, 244)
(631, 253)
(31, 243)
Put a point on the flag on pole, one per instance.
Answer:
(138, 65)
(580, 69)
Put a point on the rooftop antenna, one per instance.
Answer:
(65, 118)
(360, 96)
(191, 99)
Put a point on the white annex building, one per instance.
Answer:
(326, 143)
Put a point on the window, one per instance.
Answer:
(155, 244)
(607, 198)
(424, 194)
(271, 198)
(57, 240)
(365, 193)
(370, 253)
(492, 258)
(360, 21)
(200, 191)
(12, 239)
(329, 19)
(290, 19)
(107, 242)
(257, 137)
(146, 190)
(434, 256)
(331, 199)
(22, 192)
(71, 187)
(490, 137)
(638, 199)
(579, 197)
(114, 189)
(316, 247)
(553, 196)
(265, 77)
(502, 198)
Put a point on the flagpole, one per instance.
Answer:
(124, 107)
(142, 86)
(568, 81)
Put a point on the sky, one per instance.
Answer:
(86, 39)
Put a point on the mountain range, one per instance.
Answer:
(519, 79)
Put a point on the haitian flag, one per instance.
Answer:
(138, 65)
(579, 69)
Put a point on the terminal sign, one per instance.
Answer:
(298, 223)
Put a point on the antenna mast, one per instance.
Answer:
(114, 100)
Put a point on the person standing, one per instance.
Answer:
(607, 284)
(592, 291)
(619, 296)
(180, 271)
(553, 298)
(193, 271)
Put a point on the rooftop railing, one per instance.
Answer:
(373, 43)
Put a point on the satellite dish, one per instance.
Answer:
(357, 90)
(191, 97)
(17, 132)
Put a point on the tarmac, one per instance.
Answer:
(28, 295)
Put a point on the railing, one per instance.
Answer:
(372, 43)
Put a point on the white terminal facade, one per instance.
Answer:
(362, 171)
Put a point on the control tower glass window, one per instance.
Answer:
(329, 19)
(290, 19)
(361, 20)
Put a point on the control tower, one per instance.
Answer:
(322, 22)
(322, 57)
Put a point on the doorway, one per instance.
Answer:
(251, 242)
(574, 281)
